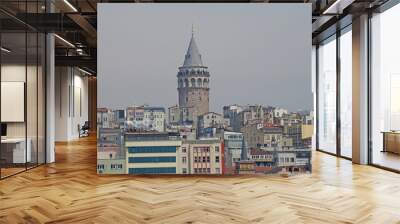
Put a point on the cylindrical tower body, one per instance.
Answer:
(193, 82)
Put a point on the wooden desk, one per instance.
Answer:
(391, 141)
(13, 150)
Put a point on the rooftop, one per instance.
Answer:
(151, 136)
(154, 109)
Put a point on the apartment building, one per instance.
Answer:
(211, 119)
(152, 153)
(231, 112)
(294, 160)
(209, 122)
(258, 135)
(105, 118)
(110, 151)
(204, 156)
(234, 150)
(180, 115)
(145, 118)
(154, 118)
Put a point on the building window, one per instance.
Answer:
(216, 148)
(152, 149)
(100, 166)
(156, 159)
(184, 159)
(184, 170)
(385, 89)
(184, 149)
(217, 159)
(153, 170)
(116, 166)
(217, 170)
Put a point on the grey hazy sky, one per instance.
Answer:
(256, 53)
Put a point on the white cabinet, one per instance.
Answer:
(19, 155)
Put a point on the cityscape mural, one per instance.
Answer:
(181, 104)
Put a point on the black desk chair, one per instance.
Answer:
(84, 130)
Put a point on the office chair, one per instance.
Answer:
(84, 130)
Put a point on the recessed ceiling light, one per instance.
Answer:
(84, 71)
(70, 5)
(5, 50)
(64, 40)
(337, 7)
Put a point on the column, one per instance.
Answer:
(360, 90)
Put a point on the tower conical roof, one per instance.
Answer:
(192, 57)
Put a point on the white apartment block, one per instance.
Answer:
(202, 156)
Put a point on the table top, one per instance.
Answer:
(391, 132)
(13, 140)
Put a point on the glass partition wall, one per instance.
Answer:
(334, 85)
(327, 95)
(385, 89)
(345, 62)
(22, 77)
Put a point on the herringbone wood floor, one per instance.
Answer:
(70, 191)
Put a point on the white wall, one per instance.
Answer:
(71, 102)
(12, 73)
(33, 126)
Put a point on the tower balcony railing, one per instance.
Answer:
(193, 73)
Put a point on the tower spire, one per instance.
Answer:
(192, 57)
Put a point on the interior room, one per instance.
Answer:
(61, 160)
(72, 112)
(22, 105)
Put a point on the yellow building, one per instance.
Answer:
(307, 131)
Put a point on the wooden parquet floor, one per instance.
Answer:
(70, 191)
